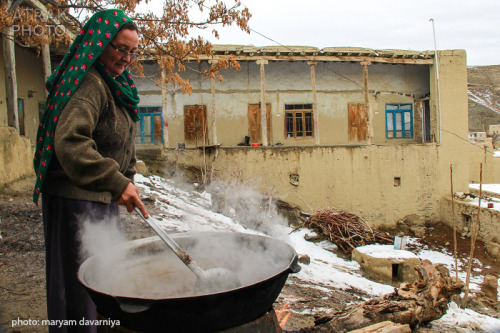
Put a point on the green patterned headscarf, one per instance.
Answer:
(93, 38)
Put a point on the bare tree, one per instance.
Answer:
(167, 36)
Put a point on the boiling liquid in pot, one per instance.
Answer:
(147, 269)
(151, 276)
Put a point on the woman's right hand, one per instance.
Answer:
(130, 198)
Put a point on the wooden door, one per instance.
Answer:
(254, 118)
(358, 120)
(195, 125)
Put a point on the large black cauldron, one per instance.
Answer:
(145, 286)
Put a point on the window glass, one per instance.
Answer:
(298, 120)
(150, 109)
(298, 124)
(407, 120)
(390, 122)
(309, 123)
(289, 124)
(399, 120)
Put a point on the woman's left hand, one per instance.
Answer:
(130, 198)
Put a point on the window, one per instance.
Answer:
(150, 125)
(298, 120)
(399, 121)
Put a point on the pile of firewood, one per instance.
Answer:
(346, 230)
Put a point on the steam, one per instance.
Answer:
(247, 206)
(96, 236)
(148, 269)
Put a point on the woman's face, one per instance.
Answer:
(113, 59)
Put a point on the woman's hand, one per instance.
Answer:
(130, 198)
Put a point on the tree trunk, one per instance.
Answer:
(414, 303)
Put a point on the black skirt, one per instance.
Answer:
(67, 301)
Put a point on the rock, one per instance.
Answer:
(490, 287)
(312, 238)
(418, 231)
(493, 249)
(412, 224)
(329, 246)
(305, 259)
(142, 168)
(149, 198)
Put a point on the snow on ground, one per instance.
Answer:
(446, 258)
(466, 320)
(328, 269)
(484, 98)
(486, 201)
(187, 209)
(493, 188)
(385, 251)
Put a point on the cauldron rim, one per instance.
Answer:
(293, 266)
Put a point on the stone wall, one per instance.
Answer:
(465, 214)
(16, 156)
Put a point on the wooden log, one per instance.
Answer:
(384, 327)
(415, 303)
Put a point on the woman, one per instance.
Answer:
(85, 156)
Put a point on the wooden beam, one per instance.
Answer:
(315, 102)
(367, 102)
(46, 65)
(326, 58)
(214, 113)
(263, 120)
(384, 327)
(9, 56)
(164, 109)
(214, 108)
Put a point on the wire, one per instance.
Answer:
(470, 142)
(366, 90)
(310, 59)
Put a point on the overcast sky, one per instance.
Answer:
(382, 24)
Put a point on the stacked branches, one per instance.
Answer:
(346, 230)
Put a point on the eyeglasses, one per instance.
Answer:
(124, 53)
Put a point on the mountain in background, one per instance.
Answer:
(484, 97)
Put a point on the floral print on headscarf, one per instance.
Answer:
(93, 38)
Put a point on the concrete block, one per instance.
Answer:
(383, 264)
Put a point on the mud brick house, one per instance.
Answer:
(368, 131)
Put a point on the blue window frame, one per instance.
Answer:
(399, 120)
(149, 125)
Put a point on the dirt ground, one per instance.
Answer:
(22, 267)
